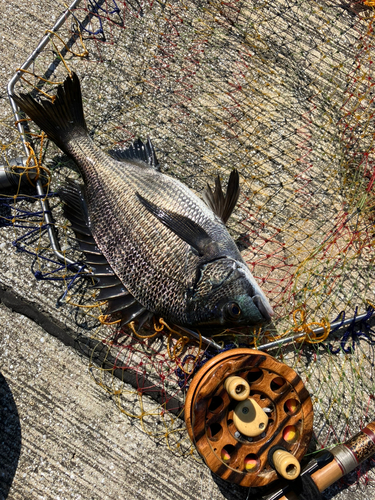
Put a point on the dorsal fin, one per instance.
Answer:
(222, 205)
(140, 152)
(75, 206)
(111, 288)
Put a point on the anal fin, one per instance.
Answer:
(132, 313)
(107, 281)
(142, 318)
(112, 292)
(101, 270)
(120, 303)
(95, 259)
(89, 248)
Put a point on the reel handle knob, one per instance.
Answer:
(237, 388)
(286, 464)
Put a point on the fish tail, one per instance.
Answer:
(61, 119)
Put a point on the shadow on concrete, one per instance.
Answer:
(10, 438)
(235, 492)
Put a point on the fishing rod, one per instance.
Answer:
(285, 340)
(332, 465)
(316, 332)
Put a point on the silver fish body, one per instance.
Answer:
(171, 252)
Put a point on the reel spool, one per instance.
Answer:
(253, 439)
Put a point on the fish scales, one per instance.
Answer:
(170, 250)
(149, 259)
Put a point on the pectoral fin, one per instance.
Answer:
(186, 229)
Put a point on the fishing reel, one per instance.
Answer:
(250, 417)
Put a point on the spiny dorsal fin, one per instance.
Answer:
(138, 151)
(75, 204)
(222, 205)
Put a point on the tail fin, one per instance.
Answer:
(61, 119)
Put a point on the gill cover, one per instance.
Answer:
(226, 294)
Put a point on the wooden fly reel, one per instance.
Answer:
(250, 417)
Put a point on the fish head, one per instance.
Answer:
(227, 294)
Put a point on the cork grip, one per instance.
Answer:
(359, 447)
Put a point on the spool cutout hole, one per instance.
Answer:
(290, 434)
(254, 375)
(215, 431)
(227, 453)
(278, 385)
(216, 404)
(251, 463)
(291, 406)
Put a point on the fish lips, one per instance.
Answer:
(257, 295)
(256, 311)
(264, 307)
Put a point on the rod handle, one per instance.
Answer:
(347, 457)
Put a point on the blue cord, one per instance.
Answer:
(354, 330)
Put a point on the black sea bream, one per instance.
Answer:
(154, 246)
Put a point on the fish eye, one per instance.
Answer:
(233, 310)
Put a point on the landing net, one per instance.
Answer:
(282, 90)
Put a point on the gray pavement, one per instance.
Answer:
(62, 437)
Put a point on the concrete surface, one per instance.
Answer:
(62, 437)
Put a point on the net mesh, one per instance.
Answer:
(282, 90)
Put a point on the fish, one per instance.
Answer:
(155, 248)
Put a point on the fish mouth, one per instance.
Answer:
(264, 307)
